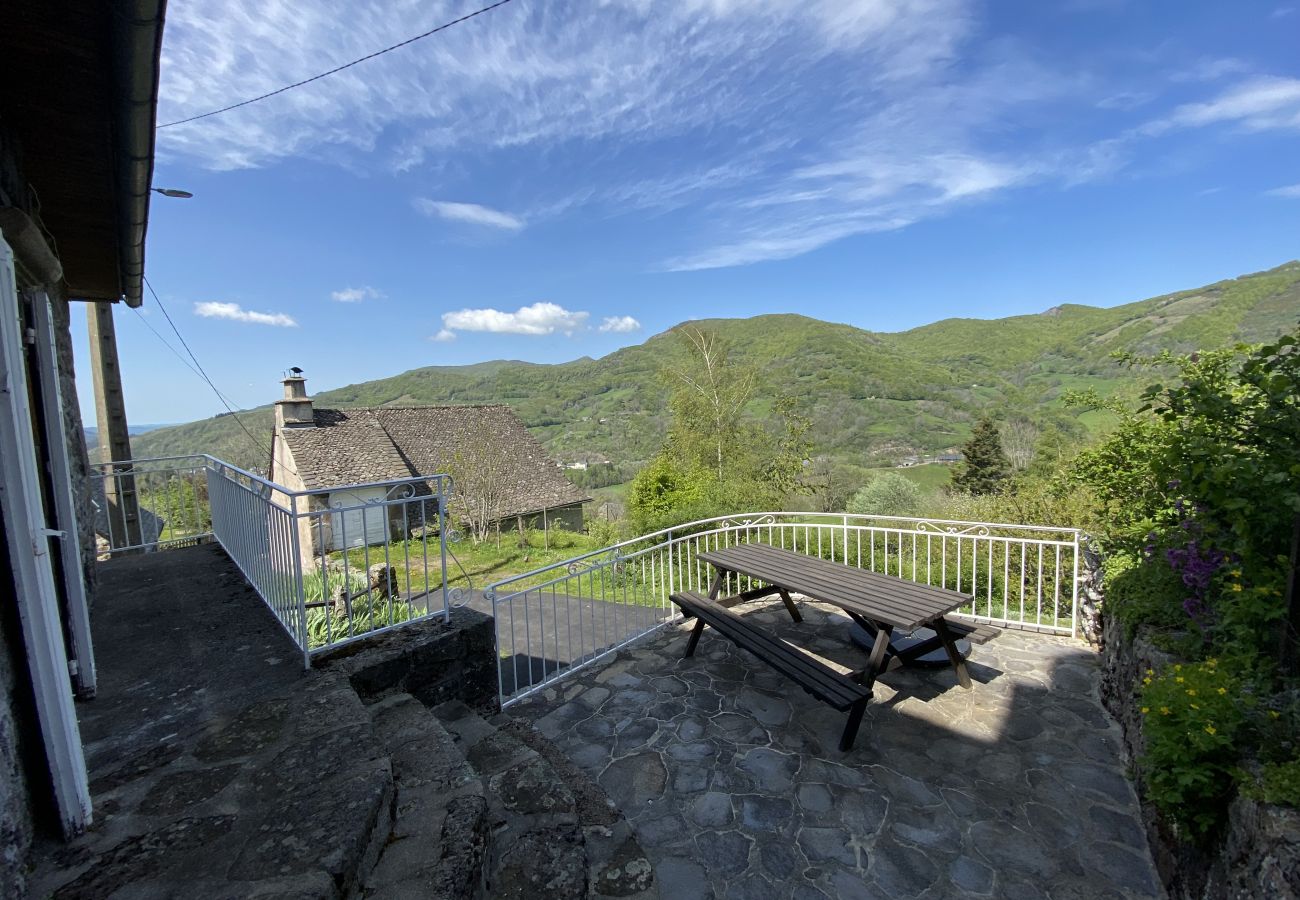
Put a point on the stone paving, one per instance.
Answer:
(734, 785)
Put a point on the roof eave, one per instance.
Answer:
(137, 50)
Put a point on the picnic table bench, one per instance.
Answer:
(881, 605)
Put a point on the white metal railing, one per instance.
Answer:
(338, 564)
(559, 618)
(150, 504)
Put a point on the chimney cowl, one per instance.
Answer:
(294, 410)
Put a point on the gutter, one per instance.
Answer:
(137, 50)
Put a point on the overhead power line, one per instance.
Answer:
(198, 369)
(347, 65)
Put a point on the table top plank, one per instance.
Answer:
(860, 579)
(846, 581)
(896, 585)
(882, 598)
(805, 579)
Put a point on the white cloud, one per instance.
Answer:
(776, 126)
(1291, 191)
(444, 335)
(235, 312)
(536, 319)
(1259, 104)
(355, 295)
(471, 213)
(620, 324)
(522, 75)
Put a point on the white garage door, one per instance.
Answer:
(360, 521)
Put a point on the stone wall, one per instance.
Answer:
(16, 826)
(1259, 854)
(433, 661)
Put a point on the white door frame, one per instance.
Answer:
(65, 504)
(29, 557)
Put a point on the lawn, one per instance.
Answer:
(930, 477)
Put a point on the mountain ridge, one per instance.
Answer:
(873, 396)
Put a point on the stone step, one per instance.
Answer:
(439, 840)
(554, 832)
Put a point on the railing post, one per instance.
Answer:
(846, 541)
(1074, 592)
(442, 546)
(299, 588)
(672, 582)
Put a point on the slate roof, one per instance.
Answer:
(476, 444)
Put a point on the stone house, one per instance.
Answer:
(350, 457)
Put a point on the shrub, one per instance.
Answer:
(1138, 593)
(1280, 783)
(603, 532)
(368, 613)
(888, 494)
(1193, 717)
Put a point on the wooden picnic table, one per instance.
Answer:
(880, 604)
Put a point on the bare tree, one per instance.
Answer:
(710, 397)
(478, 468)
(830, 484)
(1019, 439)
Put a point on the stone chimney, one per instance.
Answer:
(294, 410)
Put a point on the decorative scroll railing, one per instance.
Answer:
(555, 619)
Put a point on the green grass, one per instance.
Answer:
(480, 563)
(930, 477)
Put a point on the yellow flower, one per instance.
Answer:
(1195, 706)
(1151, 671)
(1145, 710)
(1146, 680)
(1210, 729)
(1179, 679)
(1236, 588)
(1223, 691)
(1191, 692)
(1164, 710)
(1178, 667)
(1236, 573)
(1212, 662)
(1273, 714)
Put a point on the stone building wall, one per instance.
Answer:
(16, 825)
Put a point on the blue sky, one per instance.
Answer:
(559, 179)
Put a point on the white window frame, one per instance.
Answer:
(29, 556)
(65, 503)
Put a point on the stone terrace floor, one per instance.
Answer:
(734, 784)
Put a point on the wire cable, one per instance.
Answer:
(336, 69)
(199, 370)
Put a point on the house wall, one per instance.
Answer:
(24, 780)
(285, 472)
(17, 826)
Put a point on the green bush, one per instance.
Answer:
(1197, 491)
(888, 494)
(1280, 783)
(1139, 592)
(1193, 717)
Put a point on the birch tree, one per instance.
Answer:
(709, 397)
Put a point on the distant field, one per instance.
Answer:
(929, 477)
(612, 492)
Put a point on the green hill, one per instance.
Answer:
(873, 397)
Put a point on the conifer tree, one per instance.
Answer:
(986, 466)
